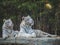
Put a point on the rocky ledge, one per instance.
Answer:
(31, 41)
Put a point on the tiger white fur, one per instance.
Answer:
(27, 31)
(26, 28)
(7, 29)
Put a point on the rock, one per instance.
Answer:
(31, 41)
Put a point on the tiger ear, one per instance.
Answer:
(4, 20)
(9, 19)
(23, 18)
(28, 16)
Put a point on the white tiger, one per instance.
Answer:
(26, 28)
(7, 29)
